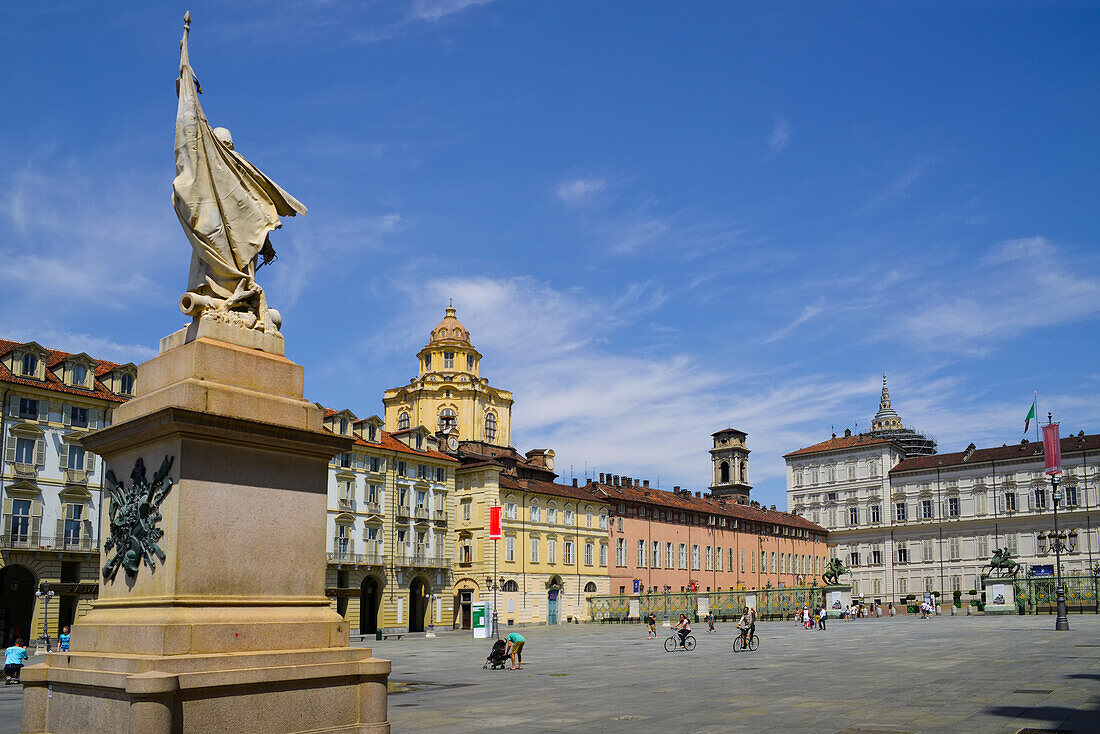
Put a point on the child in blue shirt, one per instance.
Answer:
(63, 640)
(16, 655)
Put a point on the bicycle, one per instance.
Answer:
(739, 643)
(673, 642)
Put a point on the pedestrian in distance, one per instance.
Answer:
(651, 622)
(710, 622)
(515, 649)
(822, 615)
(63, 640)
(16, 655)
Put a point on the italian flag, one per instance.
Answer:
(1030, 415)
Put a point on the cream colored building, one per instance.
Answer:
(448, 394)
(51, 488)
(389, 514)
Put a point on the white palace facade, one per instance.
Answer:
(929, 523)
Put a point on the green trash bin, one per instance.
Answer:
(378, 634)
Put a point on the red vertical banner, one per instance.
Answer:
(1052, 449)
(495, 531)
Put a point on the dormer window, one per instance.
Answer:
(30, 365)
(343, 426)
(419, 442)
(372, 433)
(126, 385)
(80, 375)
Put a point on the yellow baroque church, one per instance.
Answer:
(448, 395)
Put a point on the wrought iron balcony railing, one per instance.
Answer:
(37, 541)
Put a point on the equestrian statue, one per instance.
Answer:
(1002, 563)
(833, 569)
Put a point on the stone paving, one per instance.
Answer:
(976, 674)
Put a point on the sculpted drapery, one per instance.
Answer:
(227, 208)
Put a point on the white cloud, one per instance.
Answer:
(899, 188)
(579, 190)
(780, 134)
(808, 312)
(433, 10)
(98, 347)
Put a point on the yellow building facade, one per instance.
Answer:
(448, 394)
(553, 554)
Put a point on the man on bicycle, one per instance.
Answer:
(683, 628)
(747, 625)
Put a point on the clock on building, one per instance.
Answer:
(452, 443)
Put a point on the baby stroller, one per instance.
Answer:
(496, 658)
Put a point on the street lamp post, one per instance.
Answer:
(45, 594)
(1060, 541)
(494, 585)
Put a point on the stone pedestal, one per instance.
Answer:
(232, 630)
(837, 597)
(1000, 597)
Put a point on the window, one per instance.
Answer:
(620, 524)
(903, 586)
(375, 462)
(742, 561)
(640, 560)
(552, 515)
(670, 556)
(588, 554)
(588, 517)
(510, 585)
(470, 364)
(603, 520)
(80, 375)
(402, 469)
(567, 552)
(853, 559)
(590, 587)
(1010, 502)
(797, 478)
(952, 506)
(440, 474)
(851, 472)
(927, 584)
(28, 409)
(683, 556)
(466, 505)
(926, 509)
(343, 540)
(403, 422)
(24, 450)
(813, 476)
(656, 554)
(373, 494)
(551, 550)
(830, 474)
(773, 567)
(899, 511)
(427, 362)
(510, 549)
(345, 460)
(126, 385)
(876, 513)
(534, 514)
(465, 551)
(534, 550)
(695, 558)
(832, 517)
(979, 503)
(876, 556)
(603, 554)
(902, 553)
(511, 511)
(567, 516)
(620, 552)
(718, 559)
(448, 360)
(752, 561)
(345, 491)
(490, 426)
(983, 547)
(926, 550)
(78, 417)
(343, 426)
(953, 548)
(709, 559)
(73, 516)
(1071, 495)
(20, 520)
(1040, 498)
(419, 442)
(872, 467)
(447, 419)
(30, 365)
(853, 516)
(1011, 542)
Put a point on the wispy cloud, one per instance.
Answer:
(578, 190)
(433, 10)
(899, 188)
(808, 312)
(780, 134)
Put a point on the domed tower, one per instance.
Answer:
(448, 395)
(886, 419)
(887, 424)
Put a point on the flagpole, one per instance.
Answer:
(1036, 404)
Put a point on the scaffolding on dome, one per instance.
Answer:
(913, 442)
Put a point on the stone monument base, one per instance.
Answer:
(837, 597)
(1000, 596)
(286, 692)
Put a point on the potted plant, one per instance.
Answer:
(911, 604)
(956, 599)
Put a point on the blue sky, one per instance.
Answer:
(656, 219)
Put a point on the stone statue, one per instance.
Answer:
(227, 208)
(1002, 563)
(833, 569)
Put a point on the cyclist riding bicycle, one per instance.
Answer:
(747, 624)
(683, 627)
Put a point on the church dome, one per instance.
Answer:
(450, 330)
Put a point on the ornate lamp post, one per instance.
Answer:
(494, 585)
(1052, 450)
(45, 594)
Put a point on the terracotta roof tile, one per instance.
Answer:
(53, 383)
(551, 488)
(840, 443)
(1020, 451)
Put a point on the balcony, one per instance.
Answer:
(346, 505)
(424, 560)
(421, 513)
(373, 557)
(404, 511)
(440, 516)
(76, 476)
(23, 470)
(372, 507)
(37, 541)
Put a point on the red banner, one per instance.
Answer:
(1052, 449)
(495, 532)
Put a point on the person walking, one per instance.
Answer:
(515, 649)
(63, 640)
(822, 615)
(651, 622)
(16, 655)
(710, 622)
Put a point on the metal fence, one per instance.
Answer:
(769, 603)
(1038, 595)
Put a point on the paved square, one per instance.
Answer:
(977, 674)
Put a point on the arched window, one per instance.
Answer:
(724, 472)
(447, 419)
(126, 385)
(744, 472)
(80, 374)
(590, 587)
(490, 426)
(403, 422)
(510, 585)
(30, 365)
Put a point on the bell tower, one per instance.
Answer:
(730, 459)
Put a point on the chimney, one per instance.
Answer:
(676, 489)
(574, 481)
(601, 478)
(615, 480)
(773, 507)
(698, 494)
(847, 433)
(645, 483)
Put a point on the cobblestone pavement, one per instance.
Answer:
(977, 674)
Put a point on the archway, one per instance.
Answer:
(724, 471)
(418, 604)
(17, 585)
(369, 598)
